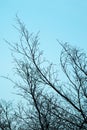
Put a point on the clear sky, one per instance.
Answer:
(65, 20)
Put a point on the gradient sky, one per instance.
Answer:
(65, 20)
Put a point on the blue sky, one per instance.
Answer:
(65, 20)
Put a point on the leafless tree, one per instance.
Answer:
(50, 105)
(74, 65)
(7, 121)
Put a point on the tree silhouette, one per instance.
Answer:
(50, 105)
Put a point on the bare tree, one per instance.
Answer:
(74, 65)
(7, 121)
(66, 107)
